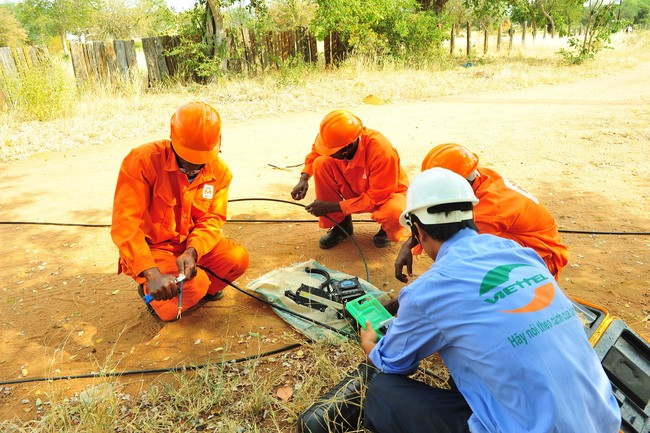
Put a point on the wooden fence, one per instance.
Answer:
(115, 63)
(99, 63)
(16, 61)
(247, 51)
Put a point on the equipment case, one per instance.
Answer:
(625, 357)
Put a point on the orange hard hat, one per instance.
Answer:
(453, 157)
(338, 129)
(196, 132)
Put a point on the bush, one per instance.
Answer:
(44, 92)
(380, 27)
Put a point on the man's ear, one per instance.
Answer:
(421, 233)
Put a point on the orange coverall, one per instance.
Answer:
(507, 210)
(373, 181)
(158, 214)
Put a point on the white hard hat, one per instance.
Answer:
(434, 187)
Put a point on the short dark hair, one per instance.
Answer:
(442, 232)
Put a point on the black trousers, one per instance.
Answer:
(397, 404)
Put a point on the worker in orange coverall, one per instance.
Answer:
(170, 204)
(355, 170)
(504, 209)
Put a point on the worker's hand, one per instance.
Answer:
(300, 190)
(186, 263)
(161, 286)
(368, 337)
(404, 258)
(320, 208)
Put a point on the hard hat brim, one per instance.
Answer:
(426, 218)
(321, 149)
(197, 156)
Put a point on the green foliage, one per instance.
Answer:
(288, 14)
(43, 92)
(379, 27)
(636, 12)
(196, 58)
(46, 18)
(601, 23)
(12, 34)
(124, 19)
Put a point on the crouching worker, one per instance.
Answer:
(514, 346)
(170, 204)
(504, 209)
(355, 170)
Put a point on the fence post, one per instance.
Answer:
(499, 38)
(114, 75)
(21, 60)
(79, 63)
(7, 62)
(313, 48)
(327, 45)
(169, 43)
(156, 64)
(100, 58)
(469, 40)
(452, 40)
(7, 69)
(120, 59)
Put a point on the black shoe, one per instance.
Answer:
(215, 297)
(335, 235)
(381, 239)
(149, 307)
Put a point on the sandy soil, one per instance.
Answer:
(582, 148)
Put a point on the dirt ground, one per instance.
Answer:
(581, 148)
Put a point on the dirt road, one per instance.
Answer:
(581, 148)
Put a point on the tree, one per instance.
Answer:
(122, 19)
(44, 18)
(635, 12)
(487, 13)
(287, 14)
(379, 27)
(600, 23)
(12, 34)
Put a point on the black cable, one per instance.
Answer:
(277, 200)
(278, 307)
(592, 232)
(34, 223)
(240, 221)
(150, 371)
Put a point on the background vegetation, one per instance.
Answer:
(412, 34)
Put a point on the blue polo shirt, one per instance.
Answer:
(509, 336)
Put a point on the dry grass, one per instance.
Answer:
(101, 117)
(228, 397)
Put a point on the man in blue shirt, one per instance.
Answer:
(516, 351)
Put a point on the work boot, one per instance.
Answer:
(381, 239)
(215, 297)
(335, 235)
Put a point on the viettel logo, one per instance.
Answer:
(499, 285)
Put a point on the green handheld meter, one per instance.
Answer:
(367, 307)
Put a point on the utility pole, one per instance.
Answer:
(620, 5)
